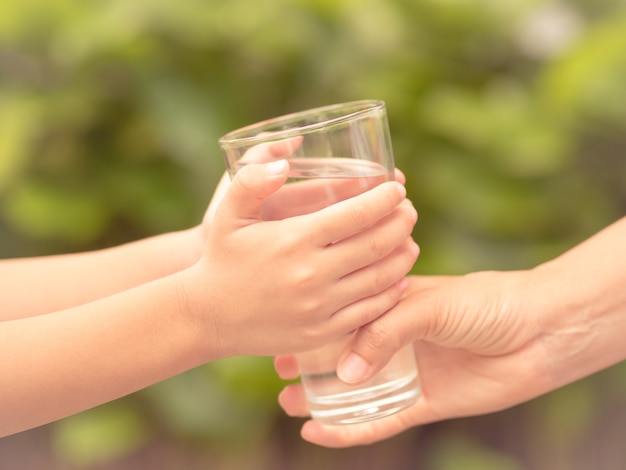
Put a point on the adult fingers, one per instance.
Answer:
(369, 432)
(375, 343)
(292, 399)
(286, 367)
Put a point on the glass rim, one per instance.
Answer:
(244, 135)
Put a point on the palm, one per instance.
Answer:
(456, 382)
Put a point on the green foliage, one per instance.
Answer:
(511, 137)
(587, 84)
(229, 400)
(569, 412)
(456, 451)
(100, 435)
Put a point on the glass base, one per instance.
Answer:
(362, 405)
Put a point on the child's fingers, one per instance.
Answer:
(348, 217)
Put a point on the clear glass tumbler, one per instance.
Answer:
(334, 152)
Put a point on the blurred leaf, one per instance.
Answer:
(589, 81)
(184, 121)
(568, 412)
(501, 125)
(43, 210)
(455, 452)
(17, 126)
(223, 401)
(99, 435)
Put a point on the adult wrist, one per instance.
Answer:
(582, 327)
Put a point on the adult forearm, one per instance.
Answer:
(583, 296)
(58, 364)
(32, 286)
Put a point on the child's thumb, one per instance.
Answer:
(251, 185)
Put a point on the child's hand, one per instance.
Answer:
(263, 153)
(270, 287)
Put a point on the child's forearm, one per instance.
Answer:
(57, 364)
(32, 286)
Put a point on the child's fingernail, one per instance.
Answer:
(276, 168)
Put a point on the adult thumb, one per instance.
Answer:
(370, 349)
(250, 186)
(373, 345)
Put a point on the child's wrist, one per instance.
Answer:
(188, 245)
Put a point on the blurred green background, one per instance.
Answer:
(507, 116)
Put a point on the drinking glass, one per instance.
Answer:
(334, 153)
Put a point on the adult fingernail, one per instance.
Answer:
(353, 369)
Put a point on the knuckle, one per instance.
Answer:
(380, 304)
(407, 254)
(414, 248)
(291, 242)
(409, 214)
(391, 195)
(308, 336)
(372, 310)
(376, 337)
(381, 280)
(378, 247)
(310, 307)
(315, 335)
(244, 179)
(303, 275)
(407, 224)
(358, 214)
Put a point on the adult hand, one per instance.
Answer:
(476, 343)
(490, 340)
